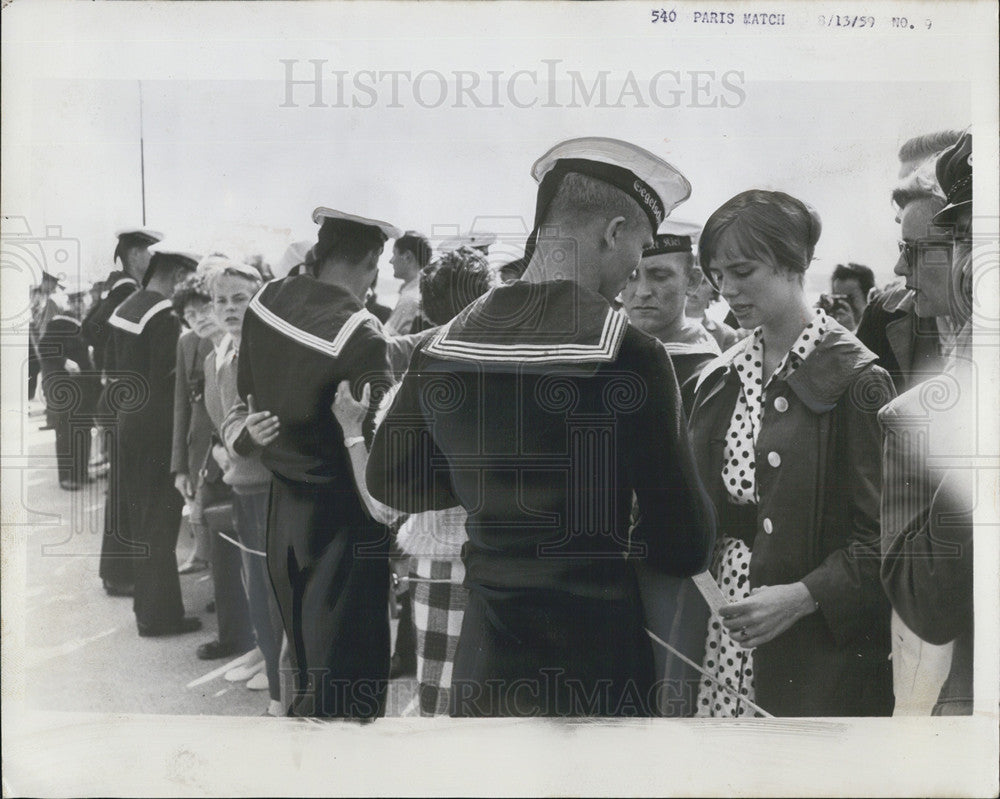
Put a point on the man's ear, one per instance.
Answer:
(613, 232)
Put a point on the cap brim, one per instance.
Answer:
(951, 213)
(139, 231)
(321, 213)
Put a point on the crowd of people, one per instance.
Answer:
(586, 493)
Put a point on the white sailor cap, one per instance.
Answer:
(322, 213)
(140, 232)
(179, 251)
(477, 241)
(656, 185)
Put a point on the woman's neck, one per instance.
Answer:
(779, 334)
(216, 337)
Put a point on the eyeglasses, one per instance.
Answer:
(930, 250)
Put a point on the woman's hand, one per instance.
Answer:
(183, 485)
(348, 411)
(766, 613)
(263, 426)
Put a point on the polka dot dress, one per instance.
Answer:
(738, 465)
(728, 662)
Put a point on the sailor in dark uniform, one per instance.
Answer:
(132, 252)
(71, 387)
(654, 299)
(326, 557)
(144, 345)
(540, 410)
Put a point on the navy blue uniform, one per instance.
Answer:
(116, 553)
(144, 347)
(327, 559)
(541, 410)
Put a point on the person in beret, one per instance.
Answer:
(144, 346)
(540, 410)
(327, 558)
(927, 525)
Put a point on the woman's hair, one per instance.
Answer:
(190, 290)
(769, 226)
(231, 269)
(450, 283)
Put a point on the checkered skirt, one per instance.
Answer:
(439, 602)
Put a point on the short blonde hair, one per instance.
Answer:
(223, 267)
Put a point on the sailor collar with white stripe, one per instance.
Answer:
(122, 281)
(64, 318)
(134, 314)
(533, 323)
(326, 316)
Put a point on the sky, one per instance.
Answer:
(236, 164)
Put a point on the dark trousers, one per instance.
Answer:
(251, 524)
(548, 653)
(154, 516)
(118, 551)
(72, 447)
(232, 611)
(329, 570)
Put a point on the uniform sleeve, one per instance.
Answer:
(846, 584)
(404, 469)
(182, 414)
(162, 334)
(673, 514)
(369, 363)
(927, 559)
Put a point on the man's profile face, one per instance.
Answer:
(656, 291)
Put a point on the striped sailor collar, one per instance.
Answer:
(115, 281)
(134, 313)
(533, 323)
(320, 316)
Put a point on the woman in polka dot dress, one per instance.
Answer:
(787, 440)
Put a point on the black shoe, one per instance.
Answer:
(400, 667)
(188, 624)
(119, 589)
(214, 650)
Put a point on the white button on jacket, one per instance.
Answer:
(774, 459)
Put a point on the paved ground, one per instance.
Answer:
(82, 651)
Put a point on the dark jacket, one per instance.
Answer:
(905, 345)
(96, 330)
(192, 425)
(819, 480)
